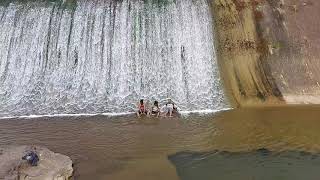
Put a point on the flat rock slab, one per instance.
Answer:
(51, 166)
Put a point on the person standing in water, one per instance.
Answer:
(142, 108)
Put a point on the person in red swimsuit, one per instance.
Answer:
(142, 108)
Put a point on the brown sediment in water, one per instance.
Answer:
(290, 128)
(118, 147)
(110, 148)
(268, 50)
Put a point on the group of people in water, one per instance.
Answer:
(167, 109)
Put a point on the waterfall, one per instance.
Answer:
(94, 56)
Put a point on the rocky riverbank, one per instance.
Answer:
(51, 166)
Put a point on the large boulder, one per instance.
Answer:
(52, 166)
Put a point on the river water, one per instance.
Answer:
(260, 143)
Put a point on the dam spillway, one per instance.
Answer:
(59, 57)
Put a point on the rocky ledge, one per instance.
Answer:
(51, 166)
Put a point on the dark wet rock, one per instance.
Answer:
(264, 151)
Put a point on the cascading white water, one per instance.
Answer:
(93, 56)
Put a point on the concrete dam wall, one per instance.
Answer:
(268, 50)
(88, 56)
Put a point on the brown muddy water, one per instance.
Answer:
(261, 143)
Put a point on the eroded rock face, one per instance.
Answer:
(268, 50)
(52, 166)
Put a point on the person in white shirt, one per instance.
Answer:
(169, 107)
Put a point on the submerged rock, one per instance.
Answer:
(262, 164)
(52, 166)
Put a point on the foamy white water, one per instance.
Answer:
(181, 113)
(90, 57)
